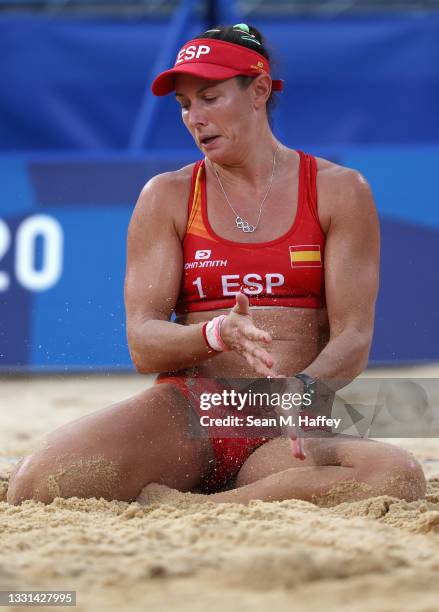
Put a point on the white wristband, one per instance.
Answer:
(213, 334)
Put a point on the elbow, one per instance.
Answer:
(142, 361)
(142, 366)
(141, 354)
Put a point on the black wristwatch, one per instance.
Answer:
(309, 386)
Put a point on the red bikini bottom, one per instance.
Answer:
(230, 449)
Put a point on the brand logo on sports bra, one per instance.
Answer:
(203, 254)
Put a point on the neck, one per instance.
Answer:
(251, 164)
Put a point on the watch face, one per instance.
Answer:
(308, 381)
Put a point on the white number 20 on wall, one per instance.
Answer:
(25, 265)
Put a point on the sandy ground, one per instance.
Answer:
(183, 553)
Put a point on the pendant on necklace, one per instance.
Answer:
(244, 225)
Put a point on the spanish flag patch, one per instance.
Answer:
(305, 256)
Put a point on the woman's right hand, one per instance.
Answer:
(240, 334)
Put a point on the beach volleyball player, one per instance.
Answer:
(269, 257)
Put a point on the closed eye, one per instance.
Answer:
(183, 104)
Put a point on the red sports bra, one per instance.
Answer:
(286, 271)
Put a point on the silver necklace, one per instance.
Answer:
(242, 223)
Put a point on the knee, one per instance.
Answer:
(25, 484)
(405, 479)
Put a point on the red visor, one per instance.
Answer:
(216, 60)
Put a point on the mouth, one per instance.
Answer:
(208, 140)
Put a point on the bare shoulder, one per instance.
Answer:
(337, 177)
(167, 195)
(342, 192)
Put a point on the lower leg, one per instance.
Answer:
(329, 485)
(306, 483)
(344, 470)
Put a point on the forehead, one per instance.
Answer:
(187, 84)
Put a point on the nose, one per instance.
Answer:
(196, 116)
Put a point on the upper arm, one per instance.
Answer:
(154, 254)
(351, 255)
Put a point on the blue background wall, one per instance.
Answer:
(363, 92)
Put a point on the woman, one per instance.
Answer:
(264, 282)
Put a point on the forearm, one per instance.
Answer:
(343, 359)
(161, 346)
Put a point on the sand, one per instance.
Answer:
(184, 553)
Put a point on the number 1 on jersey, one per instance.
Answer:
(197, 282)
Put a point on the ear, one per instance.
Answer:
(261, 86)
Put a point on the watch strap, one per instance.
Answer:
(309, 384)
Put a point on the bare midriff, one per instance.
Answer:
(298, 336)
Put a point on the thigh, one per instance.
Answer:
(116, 451)
(364, 455)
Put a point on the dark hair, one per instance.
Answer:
(253, 40)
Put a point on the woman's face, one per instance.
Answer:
(218, 114)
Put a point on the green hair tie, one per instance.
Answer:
(242, 26)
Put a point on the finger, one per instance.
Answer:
(296, 440)
(250, 332)
(242, 305)
(257, 366)
(263, 356)
(257, 335)
(258, 353)
(298, 448)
